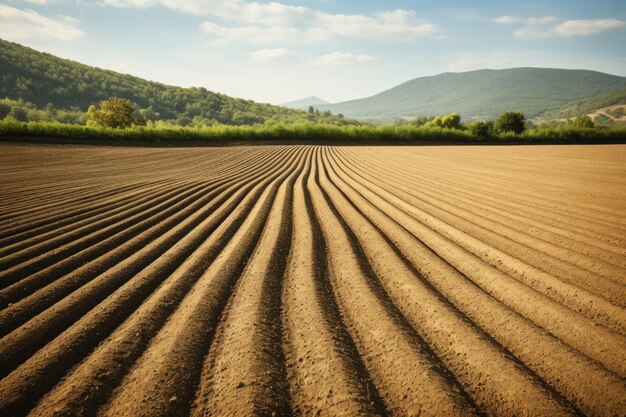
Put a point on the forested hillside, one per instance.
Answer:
(41, 78)
(484, 93)
(587, 106)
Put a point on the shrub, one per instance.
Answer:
(5, 109)
(19, 114)
(481, 130)
(451, 121)
(583, 121)
(510, 121)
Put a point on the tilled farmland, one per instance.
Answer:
(313, 281)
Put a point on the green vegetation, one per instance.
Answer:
(67, 86)
(579, 107)
(582, 121)
(481, 129)
(48, 113)
(116, 113)
(450, 121)
(306, 132)
(484, 93)
(510, 121)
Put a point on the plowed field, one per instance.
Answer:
(313, 280)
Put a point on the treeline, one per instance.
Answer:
(507, 123)
(49, 82)
(25, 111)
(303, 132)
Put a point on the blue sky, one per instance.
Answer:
(338, 50)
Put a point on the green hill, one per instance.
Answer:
(41, 78)
(304, 103)
(586, 106)
(483, 93)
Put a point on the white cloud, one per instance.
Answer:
(275, 14)
(273, 55)
(129, 3)
(38, 2)
(531, 21)
(18, 24)
(587, 27)
(68, 19)
(537, 27)
(394, 25)
(506, 20)
(532, 32)
(343, 58)
(252, 34)
(311, 25)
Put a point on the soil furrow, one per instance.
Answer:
(325, 374)
(89, 385)
(244, 371)
(496, 380)
(600, 393)
(407, 376)
(178, 350)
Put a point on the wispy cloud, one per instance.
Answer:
(343, 58)
(468, 61)
(68, 19)
(237, 17)
(251, 34)
(587, 27)
(273, 55)
(531, 21)
(541, 28)
(21, 24)
(38, 2)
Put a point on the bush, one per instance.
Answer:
(19, 114)
(451, 121)
(481, 130)
(510, 121)
(5, 109)
(583, 121)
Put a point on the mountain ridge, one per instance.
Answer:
(483, 93)
(304, 103)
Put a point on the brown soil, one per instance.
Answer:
(313, 281)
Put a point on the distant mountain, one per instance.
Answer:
(41, 78)
(483, 93)
(304, 103)
(586, 106)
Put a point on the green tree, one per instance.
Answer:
(583, 121)
(19, 114)
(311, 110)
(422, 120)
(116, 113)
(510, 121)
(450, 121)
(5, 109)
(481, 129)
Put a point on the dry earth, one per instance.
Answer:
(303, 280)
